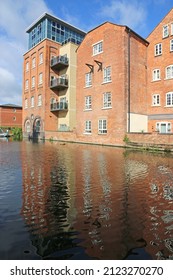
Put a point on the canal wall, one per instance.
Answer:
(153, 140)
(72, 136)
(130, 140)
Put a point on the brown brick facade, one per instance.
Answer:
(125, 53)
(160, 85)
(121, 85)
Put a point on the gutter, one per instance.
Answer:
(128, 95)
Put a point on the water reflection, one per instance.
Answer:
(86, 202)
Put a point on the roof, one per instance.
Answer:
(11, 106)
(125, 26)
(159, 23)
(128, 29)
(51, 17)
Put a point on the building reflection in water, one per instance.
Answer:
(82, 202)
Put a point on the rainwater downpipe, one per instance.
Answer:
(128, 96)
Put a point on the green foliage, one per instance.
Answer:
(167, 150)
(17, 133)
(126, 139)
(51, 139)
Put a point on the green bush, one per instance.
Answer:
(126, 139)
(17, 133)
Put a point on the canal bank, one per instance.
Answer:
(148, 141)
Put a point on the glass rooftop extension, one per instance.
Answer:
(53, 28)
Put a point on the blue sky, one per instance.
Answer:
(17, 15)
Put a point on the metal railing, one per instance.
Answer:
(59, 106)
(59, 82)
(59, 60)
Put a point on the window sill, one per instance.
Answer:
(87, 133)
(107, 82)
(168, 106)
(99, 133)
(106, 108)
(168, 78)
(97, 53)
(85, 110)
(88, 86)
(153, 81)
(158, 105)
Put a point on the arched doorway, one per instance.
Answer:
(36, 128)
(27, 128)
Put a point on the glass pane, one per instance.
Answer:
(163, 128)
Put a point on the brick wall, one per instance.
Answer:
(151, 138)
(10, 117)
(162, 85)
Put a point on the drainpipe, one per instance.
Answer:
(128, 96)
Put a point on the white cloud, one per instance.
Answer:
(10, 89)
(131, 13)
(15, 17)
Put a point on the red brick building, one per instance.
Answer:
(160, 76)
(49, 78)
(124, 83)
(10, 115)
(111, 83)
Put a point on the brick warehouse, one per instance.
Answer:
(120, 83)
(49, 77)
(111, 83)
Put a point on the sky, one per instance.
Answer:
(17, 15)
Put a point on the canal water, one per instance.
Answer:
(74, 201)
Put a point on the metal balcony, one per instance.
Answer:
(59, 106)
(59, 62)
(59, 83)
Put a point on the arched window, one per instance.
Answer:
(28, 126)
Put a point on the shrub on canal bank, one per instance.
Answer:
(17, 133)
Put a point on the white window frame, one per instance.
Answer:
(88, 127)
(156, 75)
(33, 62)
(102, 126)
(40, 80)
(88, 102)
(26, 103)
(169, 72)
(27, 66)
(39, 100)
(32, 101)
(158, 49)
(171, 45)
(26, 84)
(107, 100)
(28, 126)
(165, 31)
(168, 126)
(41, 58)
(172, 28)
(107, 74)
(33, 82)
(169, 99)
(97, 48)
(88, 79)
(156, 99)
